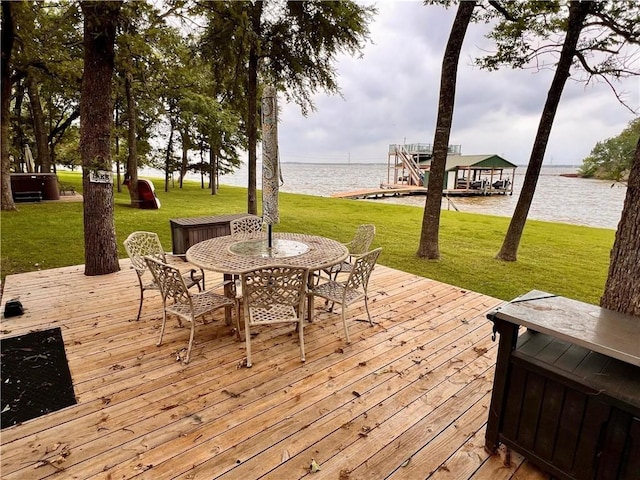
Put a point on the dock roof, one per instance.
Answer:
(477, 162)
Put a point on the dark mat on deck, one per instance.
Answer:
(35, 376)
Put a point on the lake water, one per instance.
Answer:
(580, 201)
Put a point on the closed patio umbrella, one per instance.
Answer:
(270, 161)
(28, 159)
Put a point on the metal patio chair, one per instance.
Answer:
(360, 244)
(141, 244)
(272, 295)
(249, 226)
(185, 306)
(353, 289)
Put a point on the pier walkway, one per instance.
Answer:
(381, 192)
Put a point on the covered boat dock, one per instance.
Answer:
(479, 175)
(409, 166)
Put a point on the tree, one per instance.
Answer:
(578, 12)
(611, 159)
(291, 45)
(596, 44)
(428, 247)
(101, 251)
(622, 289)
(46, 66)
(216, 129)
(144, 42)
(5, 105)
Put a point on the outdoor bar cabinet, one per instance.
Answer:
(566, 391)
(186, 232)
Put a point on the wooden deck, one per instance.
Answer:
(407, 399)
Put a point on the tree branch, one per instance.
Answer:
(500, 9)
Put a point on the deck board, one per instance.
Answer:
(406, 399)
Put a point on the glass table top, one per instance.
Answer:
(281, 248)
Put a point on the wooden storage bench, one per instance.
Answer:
(186, 232)
(567, 391)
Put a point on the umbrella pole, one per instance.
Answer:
(269, 236)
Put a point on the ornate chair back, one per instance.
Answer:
(361, 270)
(249, 226)
(141, 244)
(362, 239)
(147, 244)
(271, 295)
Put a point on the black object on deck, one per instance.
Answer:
(566, 392)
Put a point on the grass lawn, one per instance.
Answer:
(563, 259)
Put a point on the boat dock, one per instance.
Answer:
(400, 190)
(382, 192)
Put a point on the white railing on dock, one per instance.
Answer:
(423, 148)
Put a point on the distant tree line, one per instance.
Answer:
(611, 159)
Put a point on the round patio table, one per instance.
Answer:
(236, 256)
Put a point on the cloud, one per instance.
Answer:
(390, 95)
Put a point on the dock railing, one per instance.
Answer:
(412, 166)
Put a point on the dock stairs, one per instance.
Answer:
(410, 163)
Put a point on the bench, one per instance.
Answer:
(566, 392)
(27, 196)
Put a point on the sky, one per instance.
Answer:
(390, 96)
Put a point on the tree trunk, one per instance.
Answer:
(132, 142)
(56, 134)
(6, 198)
(116, 144)
(428, 247)
(96, 110)
(168, 158)
(622, 290)
(19, 138)
(578, 11)
(252, 109)
(186, 146)
(39, 129)
(213, 170)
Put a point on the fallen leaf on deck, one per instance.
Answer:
(314, 466)
(480, 350)
(344, 474)
(231, 394)
(385, 370)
